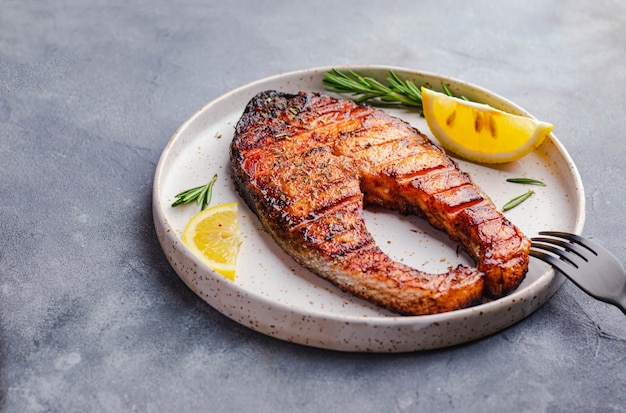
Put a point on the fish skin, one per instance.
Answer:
(306, 164)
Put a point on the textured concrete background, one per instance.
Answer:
(93, 319)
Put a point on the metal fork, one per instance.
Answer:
(586, 263)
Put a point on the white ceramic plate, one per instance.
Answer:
(274, 295)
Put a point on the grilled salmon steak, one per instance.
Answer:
(306, 164)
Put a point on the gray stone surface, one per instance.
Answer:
(92, 317)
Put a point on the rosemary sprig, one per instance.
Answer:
(369, 89)
(527, 181)
(397, 91)
(517, 200)
(201, 194)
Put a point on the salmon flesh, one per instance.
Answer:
(307, 163)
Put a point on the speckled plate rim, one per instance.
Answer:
(386, 333)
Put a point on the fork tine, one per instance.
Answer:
(587, 243)
(562, 254)
(562, 266)
(566, 245)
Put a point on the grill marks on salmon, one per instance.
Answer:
(307, 164)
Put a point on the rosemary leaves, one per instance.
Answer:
(370, 89)
(523, 197)
(201, 194)
(517, 200)
(365, 88)
(527, 181)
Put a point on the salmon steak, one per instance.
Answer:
(308, 163)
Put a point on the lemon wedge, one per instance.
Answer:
(478, 132)
(213, 236)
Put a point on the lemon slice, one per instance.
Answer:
(478, 132)
(213, 236)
